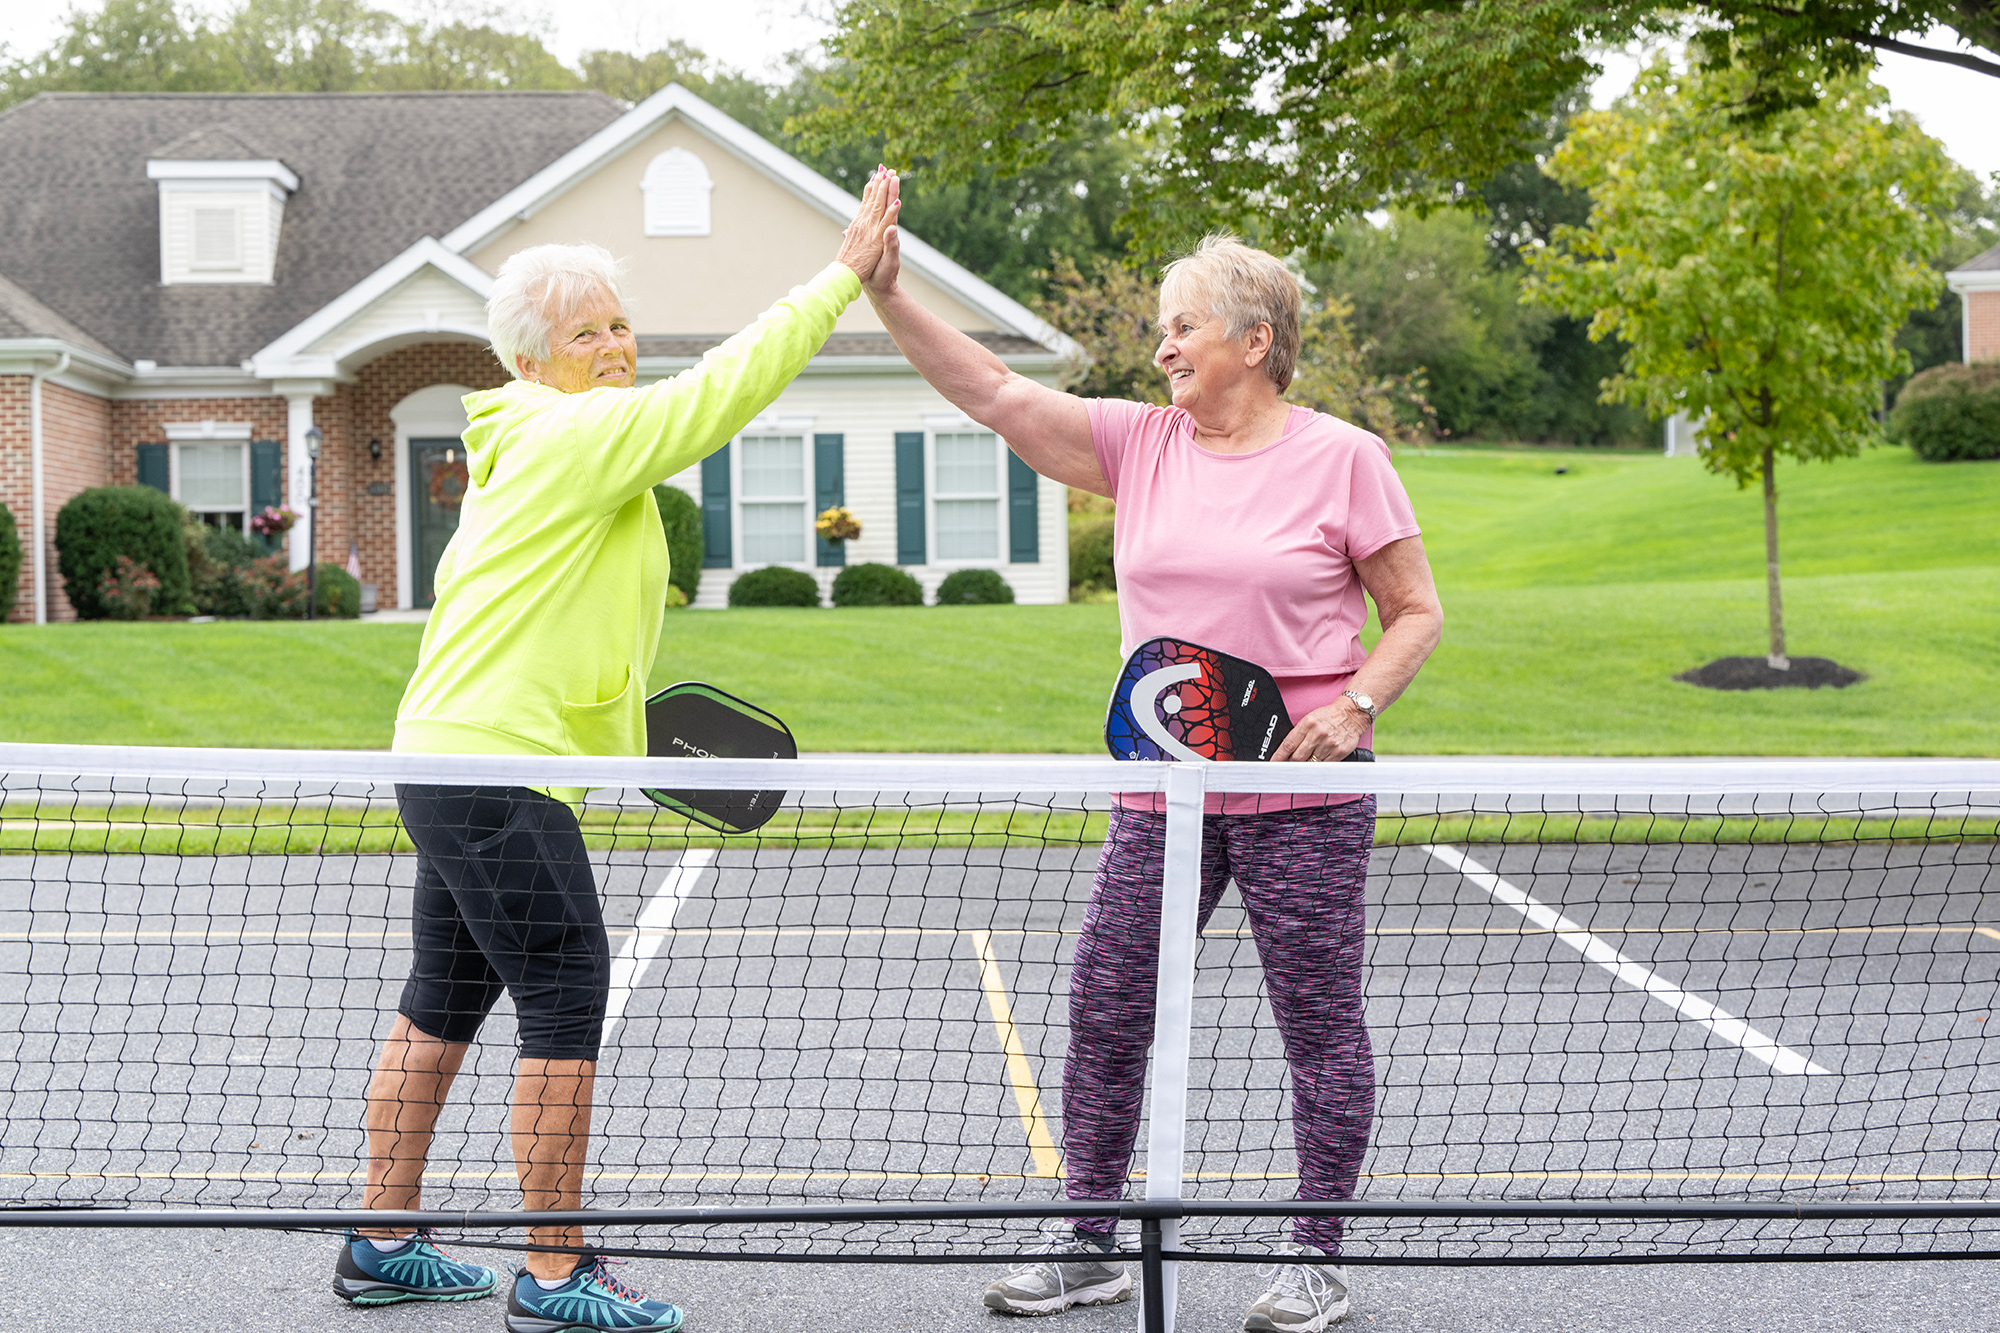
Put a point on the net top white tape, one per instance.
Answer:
(891, 773)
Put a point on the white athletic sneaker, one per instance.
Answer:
(1303, 1298)
(1053, 1285)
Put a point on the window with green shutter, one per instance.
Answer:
(716, 543)
(829, 489)
(1024, 539)
(910, 544)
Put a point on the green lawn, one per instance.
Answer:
(1570, 600)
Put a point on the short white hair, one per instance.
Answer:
(541, 287)
(1244, 287)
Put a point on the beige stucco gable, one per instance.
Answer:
(763, 239)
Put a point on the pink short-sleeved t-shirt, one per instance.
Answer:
(1252, 554)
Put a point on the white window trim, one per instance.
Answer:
(936, 424)
(174, 447)
(772, 424)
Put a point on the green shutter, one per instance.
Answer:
(267, 474)
(829, 489)
(267, 483)
(155, 468)
(715, 543)
(910, 545)
(1024, 541)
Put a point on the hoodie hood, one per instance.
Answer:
(493, 413)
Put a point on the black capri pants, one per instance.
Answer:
(505, 899)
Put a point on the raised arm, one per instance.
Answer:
(1050, 430)
(643, 436)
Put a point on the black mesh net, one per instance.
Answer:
(1653, 1004)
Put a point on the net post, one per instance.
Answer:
(1154, 1317)
(1173, 1019)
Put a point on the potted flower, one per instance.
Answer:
(274, 522)
(837, 525)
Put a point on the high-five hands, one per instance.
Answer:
(870, 238)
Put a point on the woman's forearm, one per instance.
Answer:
(969, 376)
(1405, 645)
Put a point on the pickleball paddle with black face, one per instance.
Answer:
(693, 720)
(1182, 701)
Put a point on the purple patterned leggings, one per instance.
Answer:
(1301, 874)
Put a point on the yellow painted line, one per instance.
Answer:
(1027, 1097)
(1988, 932)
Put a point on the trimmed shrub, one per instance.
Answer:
(680, 516)
(876, 585)
(234, 578)
(1950, 413)
(774, 585)
(337, 593)
(10, 561)
(974, 587)
(1090, 567)
(127, 591)
(99, 525)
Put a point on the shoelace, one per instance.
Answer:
(1303, 1280)
(601, 1273)
(1060, 1242)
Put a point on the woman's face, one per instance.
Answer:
(594, 349)
(1203, 363)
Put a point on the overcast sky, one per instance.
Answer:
(1958, 106)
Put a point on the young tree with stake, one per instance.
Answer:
(1758, 266)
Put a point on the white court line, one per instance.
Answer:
(656, 915)
(1782, 1059)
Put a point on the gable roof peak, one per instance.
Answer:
(220, 142)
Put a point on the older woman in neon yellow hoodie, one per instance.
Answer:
(549, 603)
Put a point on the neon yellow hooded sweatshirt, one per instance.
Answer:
(551, 593)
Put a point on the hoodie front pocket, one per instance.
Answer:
(601, 727)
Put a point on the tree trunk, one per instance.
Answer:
(1777, 658)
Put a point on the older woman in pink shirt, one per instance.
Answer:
(1254, 527)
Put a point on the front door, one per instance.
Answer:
(438, 481)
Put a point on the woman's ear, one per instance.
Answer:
(1257, 345)
(529, 368)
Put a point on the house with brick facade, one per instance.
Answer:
(1977, 282)
(191, 283)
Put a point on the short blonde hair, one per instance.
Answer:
(1244, 287)
(541, 287)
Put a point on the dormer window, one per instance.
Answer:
(220, 217)
(677, 187)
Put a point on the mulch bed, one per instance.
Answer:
(1755, 673)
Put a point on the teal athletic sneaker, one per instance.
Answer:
(419, 1271)
(592, 1300)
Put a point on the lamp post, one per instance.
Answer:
(314, 438)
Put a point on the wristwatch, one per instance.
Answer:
(1363, 702)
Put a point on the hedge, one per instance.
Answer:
(10, 561)
(774, 585)
(99, 525)
(1950, 413)
(680, 516)
(1090, 567)
(876, 585)
(974, 587)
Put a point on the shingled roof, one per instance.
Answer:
(79, 221)
(1983, 262)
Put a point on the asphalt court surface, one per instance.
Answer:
(810, 1025)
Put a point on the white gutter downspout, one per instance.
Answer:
(38, 505)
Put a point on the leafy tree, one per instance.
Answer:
(128, 46)
(1303, 112)
(1758, 270)
(1429, 302)
(1114, 315)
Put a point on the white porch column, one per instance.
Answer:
(298, 396)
